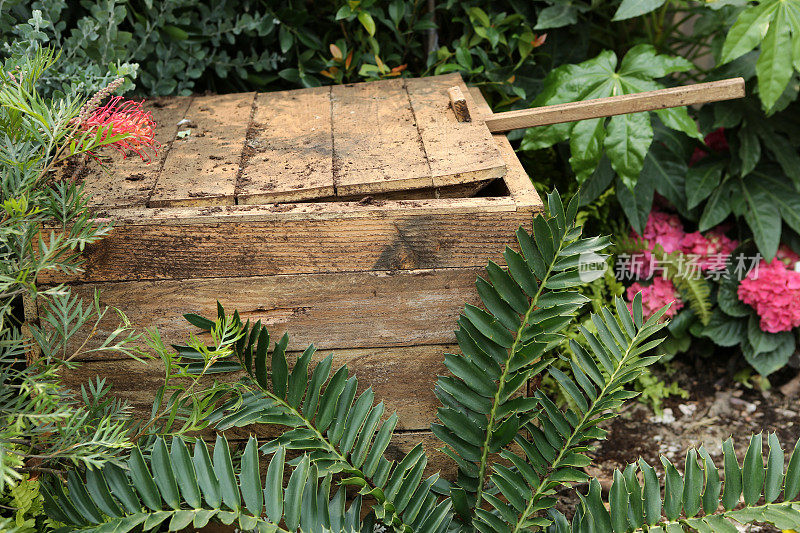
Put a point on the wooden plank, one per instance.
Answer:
(201, 168)
(345, 310)
(401, 377)
(699, 93)
(289, 152)
(457, 152)
(278, 213)
(127, 182)
(459, 104)
(394, 241)
(516, 179)
(376, 144)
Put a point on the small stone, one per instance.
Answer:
(687, 409)
(666, 417)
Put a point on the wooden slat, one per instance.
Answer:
(401, 377)
(347, 310)
(390, 240)
(375, 139)
(517, 180)
(289, 152)
(127, 182)
(201, 168)
(457, 152)
(461, 190)
(278, 213)
(617, 105)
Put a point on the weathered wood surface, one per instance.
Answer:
(128, 181)
(699, 93)
(201, 168)
(289, 151)
(459, 104)
(347, 140)
(390, 241)
(516, 179)
(345, 310)
(375, 139)
(401, 377)
(457, 152)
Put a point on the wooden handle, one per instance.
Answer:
(459, 104)
(617, 105)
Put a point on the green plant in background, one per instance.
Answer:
(178, 46)
(624, 139)
(44, 225)
(486, 415)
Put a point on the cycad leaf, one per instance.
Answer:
(785, 515)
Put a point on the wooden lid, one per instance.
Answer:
(304, 145)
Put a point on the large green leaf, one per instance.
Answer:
(702, 179)
(634, 8)
(625, 139)
(775, 25)
(636, 204)
(763, 216)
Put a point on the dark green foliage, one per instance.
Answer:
(340, 433)
(181, 46)
(769, 493)
(487, 415)
(502, 349)
(173, 489)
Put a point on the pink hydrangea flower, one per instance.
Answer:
(773, 290)
(655, 296)
(662, 229)
(710, 252)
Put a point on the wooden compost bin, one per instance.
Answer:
(354, 217)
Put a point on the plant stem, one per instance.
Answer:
(568, 444)
(496, 402)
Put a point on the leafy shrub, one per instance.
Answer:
(180, 46)
(44, 226)
(485, 415)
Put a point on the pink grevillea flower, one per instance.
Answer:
(716, 141)
(662, 229)
(655, 296)
(773, 290)
(120, 116)
(710, 252)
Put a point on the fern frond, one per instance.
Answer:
(697, 292)
(636, 506)
(506, 344)
(554, 443)
(171, 491)
(340, 433)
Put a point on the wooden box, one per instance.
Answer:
(354, 217)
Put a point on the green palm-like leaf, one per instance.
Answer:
(636, 507)
(339, 432)
(228, 495)
(505, 345)
(553, 444)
